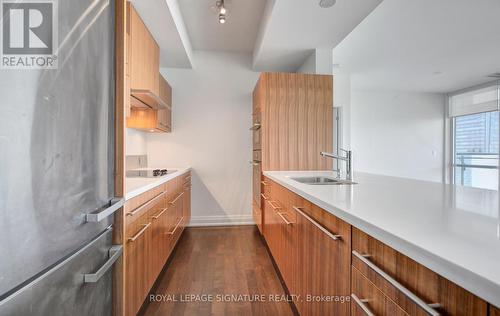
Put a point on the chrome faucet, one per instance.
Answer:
(347, 158)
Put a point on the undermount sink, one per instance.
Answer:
(322, 181)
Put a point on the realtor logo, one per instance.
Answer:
(29, 34)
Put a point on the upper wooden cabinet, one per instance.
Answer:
(296, 119)
(144, 61)
(149, 107)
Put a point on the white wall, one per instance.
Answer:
(319, 62)
(398, 133)
(136, 142)
(309, 65)
(212, 112)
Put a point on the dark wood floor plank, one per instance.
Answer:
(219, 261)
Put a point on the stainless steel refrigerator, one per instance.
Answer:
(57, 171)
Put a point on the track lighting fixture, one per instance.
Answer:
(222, 11)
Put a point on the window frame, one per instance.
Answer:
(451, 160)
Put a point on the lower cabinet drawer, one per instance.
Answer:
(494, 311)
(367, 299)
(417, 289)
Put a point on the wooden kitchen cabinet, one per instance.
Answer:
(425, 284)
(144, 56)
(323, 261)
(367, 298)
(138, 250)
(292, 122)
(154, 222)
(149, 106)
(296, 117)
(494, 311)
(311, 250)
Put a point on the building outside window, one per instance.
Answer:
(476, 136)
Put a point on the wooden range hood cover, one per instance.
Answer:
(147, 99)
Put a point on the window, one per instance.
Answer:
(476, 137)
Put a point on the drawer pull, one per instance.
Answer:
(284, 219)
(263, 196)
(428, 308)
(264, 183)
(255, 162)
(139, 233)
(159, 214)
(273, 205)
(148, 203)
(175, 200)
(362, 305)
(175, 228)
(324, 230)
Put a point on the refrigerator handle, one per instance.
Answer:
(116, 203)
(114, 253)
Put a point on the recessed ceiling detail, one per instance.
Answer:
(237, 34)
(293, 28)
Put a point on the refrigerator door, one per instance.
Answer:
(63, 290)
(57, 147)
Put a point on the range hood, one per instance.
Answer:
(147, 99)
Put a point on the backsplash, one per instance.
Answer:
(136, 162)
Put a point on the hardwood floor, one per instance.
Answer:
(219, 262)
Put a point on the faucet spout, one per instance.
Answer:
(347, 159)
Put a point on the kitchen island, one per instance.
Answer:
(451, 230)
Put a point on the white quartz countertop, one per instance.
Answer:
(452, 230)
(136, 186)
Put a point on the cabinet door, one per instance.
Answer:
(427, 285)
(287, 239)
(158, 252)
(144, 56)
(137, 248)
(366, 298)
(323, 262)
(494, 311)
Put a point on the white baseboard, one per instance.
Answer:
(221, 220)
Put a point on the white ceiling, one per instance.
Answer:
(425, 45)
(292, 28)
(164, 21)
(239, 32)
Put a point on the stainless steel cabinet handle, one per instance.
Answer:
(159, 214)
(428, 308)
(272, 203)
(115, 204)
(324, 230)
(175, 228)
(175, 200)
(114, 253)
(139, 233)
(148, 203)
(362, 305)
(255, 127)
(263, 196)
(284, 219)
